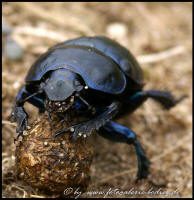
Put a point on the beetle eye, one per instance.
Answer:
(42, 85)
(46, 80)
(78, 85)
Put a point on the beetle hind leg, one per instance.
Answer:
(118, 133)
(165, 98)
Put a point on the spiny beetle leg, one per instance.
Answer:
(118, 133)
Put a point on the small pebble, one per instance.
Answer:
(117, 30)
(12, 50)
(6, 29)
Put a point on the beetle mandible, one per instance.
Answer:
(98, 75)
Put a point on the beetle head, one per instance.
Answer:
(60, 88)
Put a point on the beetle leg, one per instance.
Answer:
(18, 113)
(118, 133)
(165, 98)
(21, 117)
(64, 118)
(36, 101)
(86, 103)
(88, 126)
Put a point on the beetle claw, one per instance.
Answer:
(18, 135)
(20, 116)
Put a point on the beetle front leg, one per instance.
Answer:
(85, 128)
(18, 113)
(118, 133)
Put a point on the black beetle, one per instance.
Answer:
(98, 77)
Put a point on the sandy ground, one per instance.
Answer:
(160, 36)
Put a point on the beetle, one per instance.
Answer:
(99, 78)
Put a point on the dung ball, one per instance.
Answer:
(53, 164)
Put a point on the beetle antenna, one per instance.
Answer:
(83, 100)
(34, 94)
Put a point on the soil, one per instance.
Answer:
(160, 36)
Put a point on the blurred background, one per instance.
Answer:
(160, 36)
